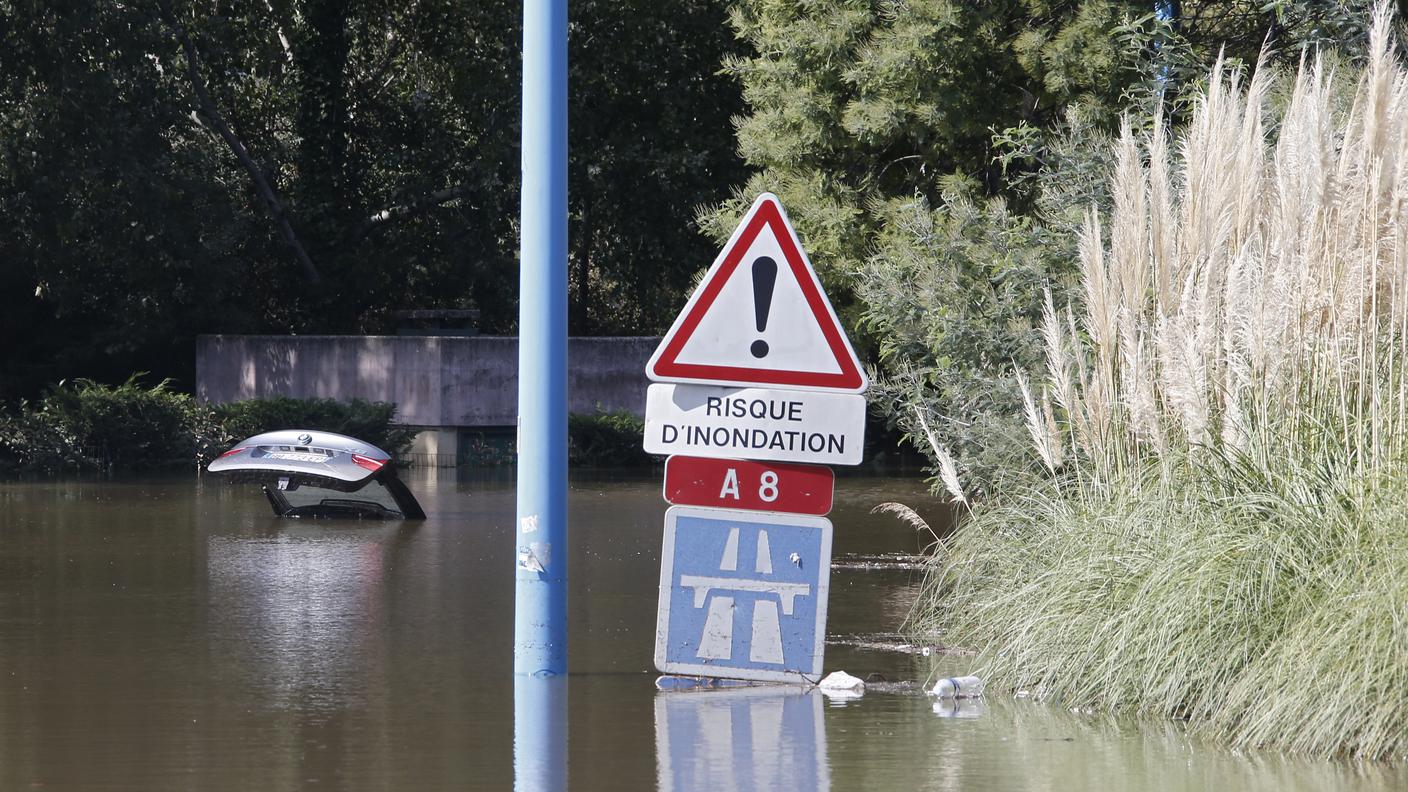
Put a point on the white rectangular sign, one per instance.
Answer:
(755, 423)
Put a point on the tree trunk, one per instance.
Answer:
(212, 115)
(584, 270)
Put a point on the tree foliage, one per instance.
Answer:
(169, 168)
(652, 139)
(855, 102)
(937, 155)
(953, 293)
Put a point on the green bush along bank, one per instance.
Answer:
(609, 438)
(359, 418)
(84, 426)
(1218, 530)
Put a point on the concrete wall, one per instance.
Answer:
(437, 382)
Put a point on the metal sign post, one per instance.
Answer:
(540, 557)
(756, 367)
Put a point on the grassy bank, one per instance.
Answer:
(1220, 528)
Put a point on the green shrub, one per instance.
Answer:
(1265, 613)
(606, 439)
(954, 295)
(31, 442)
(365, 420)
(1220, 529)
(487, 449)
(84, 425)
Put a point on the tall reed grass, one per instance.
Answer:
(1221, 530)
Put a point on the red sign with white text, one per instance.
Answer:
(741, 484)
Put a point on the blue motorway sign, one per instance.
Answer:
(743, 594)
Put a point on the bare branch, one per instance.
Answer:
(212, 115)
(407, 210)
(279, 30)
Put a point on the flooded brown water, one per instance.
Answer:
(171, 634)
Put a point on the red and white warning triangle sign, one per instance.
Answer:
(759, 318)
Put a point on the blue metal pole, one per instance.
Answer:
(540, 605)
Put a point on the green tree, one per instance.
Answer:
(852, 103)
(103, 190)
(937, 155)
(650, 127)
(857, 101)
(169, 168)
(953, 292)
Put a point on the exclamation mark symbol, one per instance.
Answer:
(764, 277)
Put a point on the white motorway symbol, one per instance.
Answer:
(716, 639)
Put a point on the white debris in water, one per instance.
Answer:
(958, 687)
(840, 685)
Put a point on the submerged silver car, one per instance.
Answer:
(307, 473)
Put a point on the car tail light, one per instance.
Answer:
(367, 462)
(230, 452)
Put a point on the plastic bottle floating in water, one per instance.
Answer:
(958, 687)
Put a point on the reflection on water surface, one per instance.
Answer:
(171, 634)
